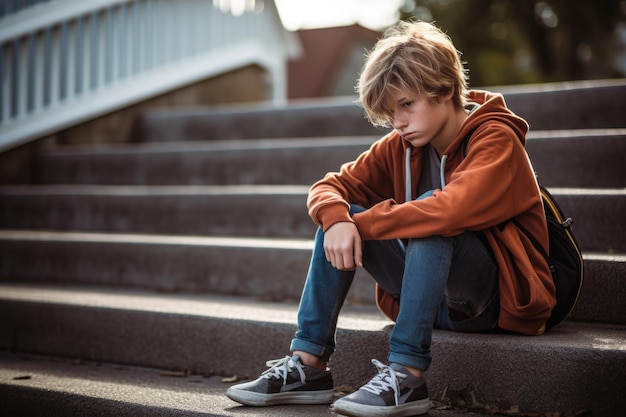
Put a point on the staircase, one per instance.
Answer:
(134, 276)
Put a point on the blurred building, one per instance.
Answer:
(330, 61)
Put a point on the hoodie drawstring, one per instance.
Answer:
(407, 168)
(407, 171)
(442, 170)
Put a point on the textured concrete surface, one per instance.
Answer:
(571, 105)
(243, 211)
(568, 158)
(38, 386)
(272, 269)
(229, 335)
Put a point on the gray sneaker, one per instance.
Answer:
(288, 381)
(394, 392)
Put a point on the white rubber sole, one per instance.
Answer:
(349, 408)
(257, 399)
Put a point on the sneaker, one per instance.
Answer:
(288, 381)
(394, 392)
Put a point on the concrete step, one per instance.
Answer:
(275, 161)
(569, 105)
(575, 367)
(596, 216)
(233, 210)
(39, 386)
(272, 269)
(585, 158)
(243, 211)
(268, 268)
(574, 105)
(567, 158)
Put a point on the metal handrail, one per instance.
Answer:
(65, 61)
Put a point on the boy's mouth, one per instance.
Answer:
(407, 135)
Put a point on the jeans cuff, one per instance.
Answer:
(321, 351)
(420, 363)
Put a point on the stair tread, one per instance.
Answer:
(150, 190)
(182, 146)
(211, 145)
(244, 189)
(204, 305)
(303, 161)
(577, 335)
(204, 334)
(62, 384)
(294, 243)
(76, 236)
(242, 210)
(586, 104)
(137, 386)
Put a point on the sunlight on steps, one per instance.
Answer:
(214, 306)
(269, 243)
(609, 344)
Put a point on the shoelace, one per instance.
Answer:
(279, 368)
(387, 379)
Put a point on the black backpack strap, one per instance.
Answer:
(466, 140)
(532, 239)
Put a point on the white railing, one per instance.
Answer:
(66, 61)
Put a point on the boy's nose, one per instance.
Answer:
(398, 123)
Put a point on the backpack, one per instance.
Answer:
(564, 259)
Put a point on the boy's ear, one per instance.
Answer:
(446, 97)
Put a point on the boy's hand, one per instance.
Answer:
(342, 246)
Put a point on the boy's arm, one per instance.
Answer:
(364, 182)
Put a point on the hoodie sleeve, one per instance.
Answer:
(364, 182)
(492, 184)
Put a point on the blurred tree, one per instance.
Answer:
(526, 41)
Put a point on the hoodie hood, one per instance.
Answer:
(491, 108)
(484, 108)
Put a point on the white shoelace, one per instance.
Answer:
(279, 368)
(387, 379)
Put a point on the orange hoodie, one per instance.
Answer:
(492, 184)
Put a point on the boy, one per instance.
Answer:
(426, 212)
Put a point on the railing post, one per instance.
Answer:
(38, 81)
(5, 71)
(55, 64)
(22, 78)
(70, 64)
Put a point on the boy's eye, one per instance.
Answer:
(407, 104)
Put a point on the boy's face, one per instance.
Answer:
(421, 121)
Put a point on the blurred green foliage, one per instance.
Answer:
(508, 42)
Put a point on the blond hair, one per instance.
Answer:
(412, 58)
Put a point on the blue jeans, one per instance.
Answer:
(416, 275)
